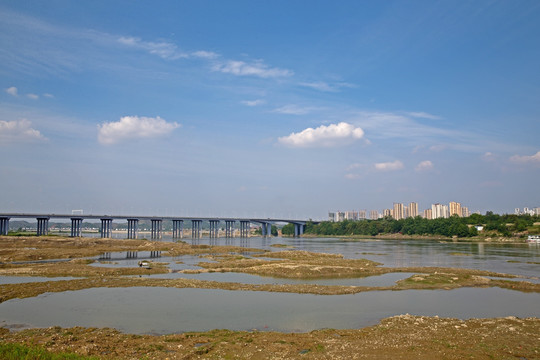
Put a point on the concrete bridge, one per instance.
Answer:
(156, 224)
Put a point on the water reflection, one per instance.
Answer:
(165, 310)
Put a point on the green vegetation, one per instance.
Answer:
(494, 225)
(10, 351)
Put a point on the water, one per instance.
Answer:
(143, 310)
(166, 310)
(28, 279)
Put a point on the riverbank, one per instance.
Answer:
(397, 236)
(398, 337)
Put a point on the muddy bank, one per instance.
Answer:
(285, 264)
(398, 337)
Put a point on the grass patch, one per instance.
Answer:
(9, 351)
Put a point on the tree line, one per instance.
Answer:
(504, 225)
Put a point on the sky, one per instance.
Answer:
(268, 108)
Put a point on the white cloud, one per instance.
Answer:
(325, 136)
(326, 87)
(204, 54)
(423, 115)
(32, 96)
(134, 127)
(353, 176)
(18, 130)
(12, 91)
(534, 159)
(389, 166)
(163, 49)
(47, 95)
(258, 68)
(424, 166)
(294, 110)
(253, 102)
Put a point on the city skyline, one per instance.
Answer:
(268, 109)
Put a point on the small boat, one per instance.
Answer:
(533, 239)
(144, 263)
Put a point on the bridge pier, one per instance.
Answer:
(133, 228)
(244, 228)
(156, 231)
(266, 229)
(42, 226)
(4, 225)
(229, 228)
(196, 229)
(298, 229)
(214, 228)
(178, 229)
(76, 227)
(106, 228)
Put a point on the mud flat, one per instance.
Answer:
(398, 337)
(404, 337)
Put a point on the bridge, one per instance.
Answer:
(156, 224)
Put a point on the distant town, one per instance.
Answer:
(401, 211)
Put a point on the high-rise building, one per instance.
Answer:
(427, 214)
(362, 215)
(413, 209)
(455, 208)
(398, 211)
(387, 212)
(465, 211)
(340, 216)
(439, 211)
(373, 214)
(331, 216)
(351, 215)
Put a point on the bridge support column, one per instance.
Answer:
(214, 228)
(178, 229)
(298, 230)
(244, 228)
(4, 225)
(76, 227)
(266, 229)
(196, 229)
(133, 228)
(42, 226)
(106, 228)
(157, 226)
(229, 228)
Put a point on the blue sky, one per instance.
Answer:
(257, 108)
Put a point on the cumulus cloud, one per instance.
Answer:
(324, 136)
(532, 159)
(12, 91)
(389, 166)
(258, 68)
(253, 102)
(133, 127)
(424, 165)
(18, 130)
